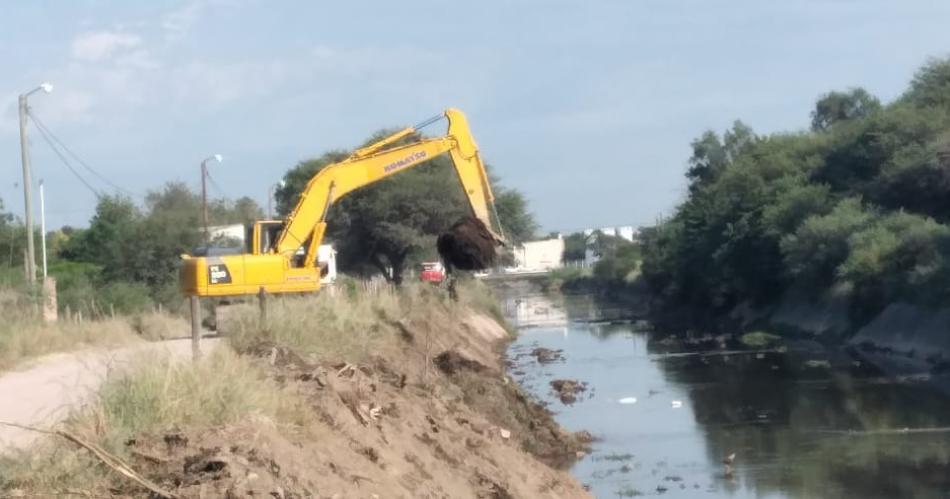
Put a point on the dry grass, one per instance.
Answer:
(352, 326)
(23, 335)
(159, 396)
(156, 326)
(22, 339)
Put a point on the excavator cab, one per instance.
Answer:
(247, 273)
(261, 237)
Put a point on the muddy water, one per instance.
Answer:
(802, 423)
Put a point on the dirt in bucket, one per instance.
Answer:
(467, 245)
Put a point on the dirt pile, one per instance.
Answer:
(568, 389)
(403, 423)
(467, 245)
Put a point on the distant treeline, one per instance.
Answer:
(857, 207)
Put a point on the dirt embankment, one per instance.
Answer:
(430, 414)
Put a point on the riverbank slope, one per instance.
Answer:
(394, 395)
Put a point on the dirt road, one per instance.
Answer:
(44, 391)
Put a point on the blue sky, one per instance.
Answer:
(587, 107)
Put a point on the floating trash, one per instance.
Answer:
(628, 400)
(677, 404)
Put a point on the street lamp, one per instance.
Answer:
(204, 192)
(27, 194)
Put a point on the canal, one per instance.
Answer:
(682, 419)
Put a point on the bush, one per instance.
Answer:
(124, 297)
(814, 252)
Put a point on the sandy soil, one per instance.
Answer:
(431, 415)
(44, 390)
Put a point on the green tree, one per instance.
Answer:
(816, 249)
(931, 85)
(836, 107)
(575, 247)
(712, 155)
(513, 215)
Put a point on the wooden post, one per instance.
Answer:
(50, 309)
(262, 299)
(195, 328)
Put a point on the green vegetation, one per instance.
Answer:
(393, 224)
(860, 203)
(617, 266)
(126, 261)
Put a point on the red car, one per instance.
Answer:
(432, 272)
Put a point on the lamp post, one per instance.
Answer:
(204, 192)
(27, 193)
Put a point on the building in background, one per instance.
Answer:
(627, 232)
(534, 256)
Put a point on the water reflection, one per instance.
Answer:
(801, 423)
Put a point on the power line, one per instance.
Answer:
(66, 162)
(215, 186)
(43, 128)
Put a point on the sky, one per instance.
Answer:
(587, 107)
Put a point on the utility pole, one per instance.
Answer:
(27, 195)
(204, 199)
(43, 228)
(204, 193)
(27, 183)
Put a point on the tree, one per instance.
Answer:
(513, 215)
(711, 156)
(575, 247)
(105, 243)
(931, 85)
(821, 243)
(129, 245)
(836, 107)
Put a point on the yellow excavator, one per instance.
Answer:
(281, 256)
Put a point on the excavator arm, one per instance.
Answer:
(277, 268)
(307, 222)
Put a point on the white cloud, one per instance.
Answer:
(177, 22)
(99, 46)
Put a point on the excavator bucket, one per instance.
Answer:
(468, 245)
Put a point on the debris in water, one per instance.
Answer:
(567, 389)
(546, 355)
(677, 404)
(467, 245)
(628, 400)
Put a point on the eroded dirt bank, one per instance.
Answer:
(428, 414)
